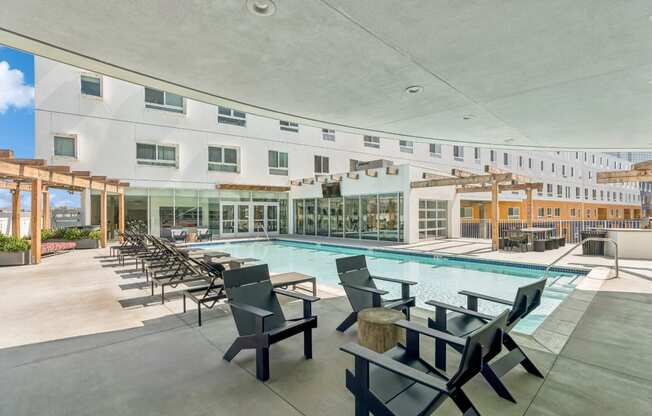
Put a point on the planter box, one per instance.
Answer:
(17, 258)
(86, 243)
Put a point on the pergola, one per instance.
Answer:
(35, 176)
(640, 172)
(493, 181)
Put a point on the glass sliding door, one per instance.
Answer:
(388, 217)
(228, 220)
(337, 217)
(322, 217)
(298, 216)
(352, 217)
(272, 218)
(243, 219)
(259, 218)
(309, 209)
(369, 217)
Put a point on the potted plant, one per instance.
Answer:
(14, 251)
(84, 239)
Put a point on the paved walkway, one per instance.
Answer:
(93, 342)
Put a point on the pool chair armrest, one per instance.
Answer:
(472, 299)
(429, 332)
(392, 280)
(441, 307)
(307, 300)
(372, 290)
(366, 356)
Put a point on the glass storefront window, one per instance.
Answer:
(322, 216)
(336, 217)
(352, 217)
(369, 217)
(161, 210)
(309, 207)
(298, 216)
(433, 219)
(388, 217)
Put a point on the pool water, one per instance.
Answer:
(438, 278)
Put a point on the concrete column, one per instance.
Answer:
(454, 220)
(530, 207)
(85, 199)
(15, 212)
(121, 213)
(36, 217)
(494, 216)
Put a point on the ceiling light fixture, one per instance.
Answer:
(414, 89)
(509, 140)
(261, 7)
(467, 116)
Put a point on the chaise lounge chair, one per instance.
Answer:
(401, 383)
(362, 292)
(259, 317)
(461, 322)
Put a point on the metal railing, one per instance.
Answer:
(571, 229)
(579, 244)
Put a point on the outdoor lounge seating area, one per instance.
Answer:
(531, 239)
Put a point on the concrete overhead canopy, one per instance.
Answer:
(541, 74)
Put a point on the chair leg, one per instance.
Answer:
(529, 366)
(233, 350)
(496, 383)
(262, 363)
(199, 313)
(464, 403)
(348, 322)
(162, 294)
(440, 354)
(307, 343)
(152, 288)
(184, 303)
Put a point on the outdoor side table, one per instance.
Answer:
(376, 329)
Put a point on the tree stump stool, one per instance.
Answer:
(376, 329)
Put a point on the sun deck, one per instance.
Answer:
(82, 336)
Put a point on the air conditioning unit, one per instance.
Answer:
(373, 164)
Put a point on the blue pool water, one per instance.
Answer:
(438, 278)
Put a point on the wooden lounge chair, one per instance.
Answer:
(259, 317)
(401, 383)
(362, 292)
(461, 322)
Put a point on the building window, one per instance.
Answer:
(91, 86)
(223, 159)
(529, 163)
(466, 213)
(492, 155)
(577, 155)
(586, 193)
(476, 154)
(572, 171)
(506, 159)
(227, 115)
(435, 149)
(563, 170)
(321, 164)
(594, 194)
(552, 167)
(513, 213)
(520, 161)
(406, 146)
(542, 213)
(156, 155)
(278, 163)
(458, 153)
(549, 212)
(578, 193)
(65, 146)
(549, 189)
(557, 212)
(328, 135)
(433, 219)
(372, 141)
(542, 166)
(288, 126)
(601, 195)
(560, 191)
(573, 212)
(162, 100)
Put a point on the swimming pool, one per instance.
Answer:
(438, 278)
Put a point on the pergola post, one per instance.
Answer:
(103, 221)
(530, 207)
(46, 209)
(494, 215)
(121, 213)
(15, 212)
(36, 216)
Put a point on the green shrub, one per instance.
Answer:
(56, 234)
(74, 234)
(95, 235)
(12, 244)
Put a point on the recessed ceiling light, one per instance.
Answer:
(467, 116)
(414, 89)
(509, 140)
(261, 7)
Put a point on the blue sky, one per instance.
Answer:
(17, 118)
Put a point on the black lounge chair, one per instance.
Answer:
(362, 292)
(259, 317)
(204, 234)
(461, 322)
(400, 382)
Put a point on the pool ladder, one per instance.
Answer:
(577, 245)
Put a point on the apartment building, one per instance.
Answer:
(191, 164)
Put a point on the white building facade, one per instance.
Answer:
(176, 153)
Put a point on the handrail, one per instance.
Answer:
(262, 225)
(579, 244)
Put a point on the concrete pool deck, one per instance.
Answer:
(81, 336)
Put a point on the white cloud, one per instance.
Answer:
(13, 90)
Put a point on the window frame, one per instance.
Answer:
(278, 169)
(515, 213)
(223, 163)
(458, 153)
(289, 126)
(321, 159)
(328, 135)
(95, 76)
(436, 153)
(165, 106)
(75, 142)
(231, 119)
(162, 163)
(371, 141)
(406, 146)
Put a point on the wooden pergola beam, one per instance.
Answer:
(6, 154)
(28, 162)
(519, 178)
(81, 173)
(621, 176)
(428, 175)
(502, 188)
(469, 180)
(58, 168)
(244, 187)
(647, 165)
